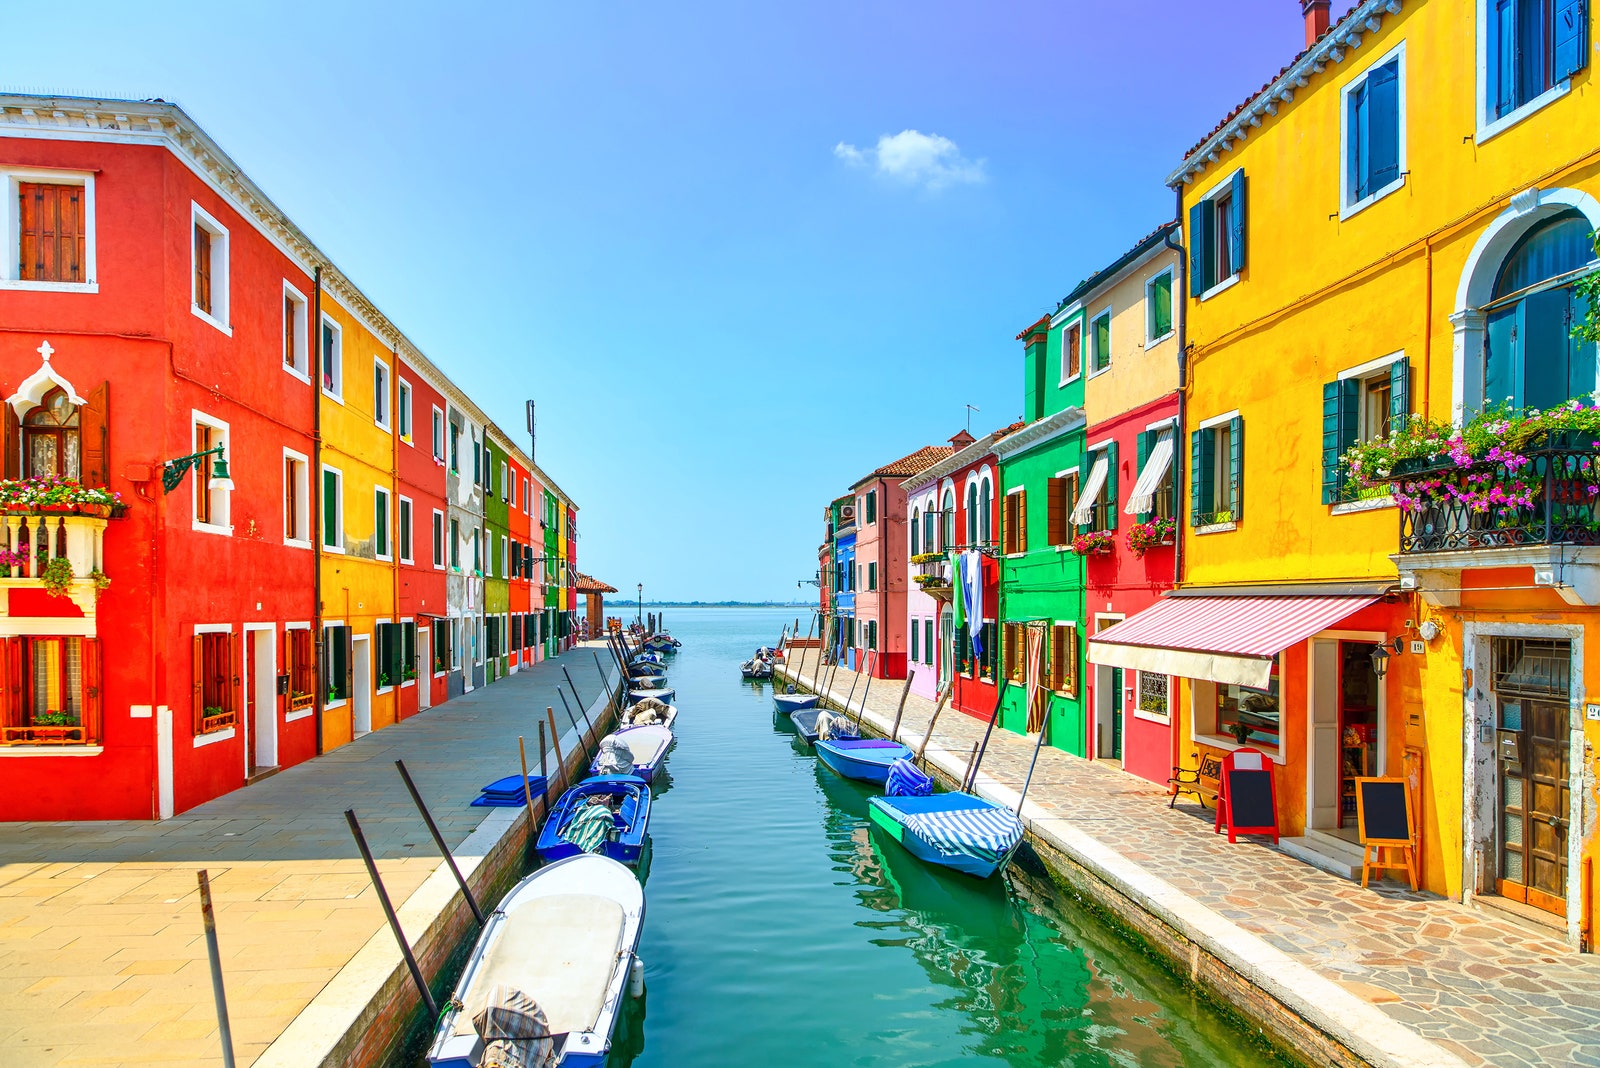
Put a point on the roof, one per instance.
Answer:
(1042, 321)
(590, 584)
(926, 456)
(961, 458)
(1155, 237)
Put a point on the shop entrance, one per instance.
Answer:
(1532, 687)
(1346, 719)
(1108, 702)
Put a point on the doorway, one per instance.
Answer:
(361, 684)
(423, 666)
(261, 712)
(1532, 681)
(1109, 701)
(1345, 724)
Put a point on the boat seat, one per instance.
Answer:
(628, 812)
(560, 950)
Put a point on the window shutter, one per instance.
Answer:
(1022, 521)
(31, 241)
(1236, 223)
(1112, 463)
(1141, 446)
(1197, 250)
(11, 675)
(1236, 465)
(1202, 494)
(1383, 126)
(1399, 394)
(349, 661)
(198, 678)
(70, 232)
(231, 672)
(1175, 474)
(92, 430)
(202, 268)
(1572, 37)
(91, 689)
(1331, 446)
(1502, 56)
(11, 441)
(1056, 507)
(1357, 127)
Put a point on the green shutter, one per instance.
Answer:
(1197, 250)
(1175, 486)
(1399, 394)
(1330, 442)
(1111, 486)
(1142, 451)
(1085, 465)
(1236, 465)
(330, 508)
(1200, 445)
(1236, 224)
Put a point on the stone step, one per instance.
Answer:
(1325, 851)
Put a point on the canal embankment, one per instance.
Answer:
(102, 942)
(1334, 973)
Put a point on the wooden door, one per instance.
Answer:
(1535, 794)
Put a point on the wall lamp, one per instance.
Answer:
(172, 471)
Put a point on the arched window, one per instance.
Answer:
(947, 535)
(985, 511)
(916, 531)
(927, 526)
(972, 513)
(1530, 356)
(51, 442)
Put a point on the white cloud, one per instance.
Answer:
(915, 158)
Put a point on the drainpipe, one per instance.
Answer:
(315, 475)
(1180, 291)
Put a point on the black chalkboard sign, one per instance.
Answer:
(1383, 811)
(1250, 800)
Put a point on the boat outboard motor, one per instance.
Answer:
(614, 758)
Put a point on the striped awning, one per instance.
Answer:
(1155, 469)
(1083, 511)
(1223, 639)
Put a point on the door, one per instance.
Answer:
(361, 684)
(1322, 785)
(1533, 762)
(946, 647)
(263, 699)
(1116, 713)
(424, 666)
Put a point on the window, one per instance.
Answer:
(332, 359)
(296, 498)
(338, 647)
(1015, 636)
(1155, 491)
(1158, 307)
(396, 652)
(300, 664)
(477, 551)
(455, 544)
(477, 462)
(210, 265)
(1374, 132)
(872, 575)
(1063, 664)
(443, 658)
(505, 482)
(1528, 50)
(1071, 353)
(1244, 709)
(1530, 355)
(972, 513)
(916, 533)
(1217, 236)
(438, 435)
(527, 504)
(1014, 526)
(872, 506)
(380, 524)
(214, 682)
(927, 641)
(1153, 691)
(1062, 494)
(54, 696)
(212, 497)
(455, 448)
(1216, 491)
(1100, 342)
(54, 243)
(947, 521)
(403, 535)
(1096, 507)
(916, 627)
(52, 438)
(402, 411)
(872, 634)
(438, 539)
(332, 509)
(294, 332)
(1363, 404)
(380, 393)
(985, 511)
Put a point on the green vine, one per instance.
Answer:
(57, 576)
(1589, 287)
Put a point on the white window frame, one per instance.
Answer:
(527, 500)
(441, 536)
(1223, 186)
(1224, 420)
(1075, 319)
(290, 717)
(11, 229)
(1487, 127)
(440, 444)
(382, 417)
(338, 506)
(1170, 275)
(301, 539)
(407, 410)
(201, 477)
(405, 542)
(1347, 207)
(336, 391)
(296, 363)
(218, 315)
(1104, 313)
(505, 481)
(386, 529)
(212, 737)
(1138, 695)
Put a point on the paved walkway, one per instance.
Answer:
(1491, 991)
(102, 954)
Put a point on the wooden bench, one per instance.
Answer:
(1201, 781)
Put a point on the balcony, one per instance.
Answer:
(933, 575)
(1544, 515)
(37, 541)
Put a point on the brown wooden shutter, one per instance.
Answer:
(36, 254)
(92, 681)
(12, 673)
(11, 442)
(1022, 521)
(202, 268)
(1072, 662)
(94, 430)
(232, 672)
(1056, 507)
(198, 675)
(70, 233)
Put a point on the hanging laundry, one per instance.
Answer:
(972, 592)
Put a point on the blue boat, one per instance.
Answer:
(867, 759)
(638, 691)
(794, 702)
(630, 819)
(805, 723)
(647, 745)
(969, 834)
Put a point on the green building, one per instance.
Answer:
(551, 520)
(496, 569)
(1041, 578)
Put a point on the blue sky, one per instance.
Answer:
(699, 234)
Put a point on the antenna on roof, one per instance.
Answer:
(970, 409)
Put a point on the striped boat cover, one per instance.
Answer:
(986, 833)
(590, 828)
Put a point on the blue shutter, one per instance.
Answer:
(1572, 37)
(1502, 88)
(1198, 257)
(1236, 231)
(1200, 446)
(1330, 442)
(1399, 394)
(1236, 465)
(1111, 486)
(1357, 162)
(1382, 152)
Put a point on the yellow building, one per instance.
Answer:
(1388, 231)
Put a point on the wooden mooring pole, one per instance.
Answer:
(922, 747)
(394, 921)
(438, 839)
(208, 917)
(905, 691)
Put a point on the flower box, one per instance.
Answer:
(1095, 543)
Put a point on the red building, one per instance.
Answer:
(423, 538)
(519, 524)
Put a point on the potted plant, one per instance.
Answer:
(53, 719)
(9, 560)
(1157, 705)
(409, 674)
(57, 576)
(1240, 731)
(101, 580)
(1142, 537)
(1094, 543)
(926, 558)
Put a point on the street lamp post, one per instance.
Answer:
(641, 604)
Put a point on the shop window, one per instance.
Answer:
(215, 682)
(301, 666)
(49, 691)
(1249, 715)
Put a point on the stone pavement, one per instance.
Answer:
(1489, 990)
(102, 953)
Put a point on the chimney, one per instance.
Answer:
(961, 440)
(1316, 15)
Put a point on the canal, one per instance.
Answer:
(782, 930)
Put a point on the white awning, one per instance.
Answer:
(1083, 511)
(1155, 469)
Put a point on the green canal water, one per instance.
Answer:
(782, 930)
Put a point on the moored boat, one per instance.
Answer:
(604, 814)
(646, 746)
(807, 721)
(866, 759)
(549, 971)
(665, 694)
(794, 702)
(961, 831)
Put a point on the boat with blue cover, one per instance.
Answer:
(638, 692)
(605, 814)
(546, 980)
(866, 759)
(645, 748)
(794, 702)
(961, 831)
